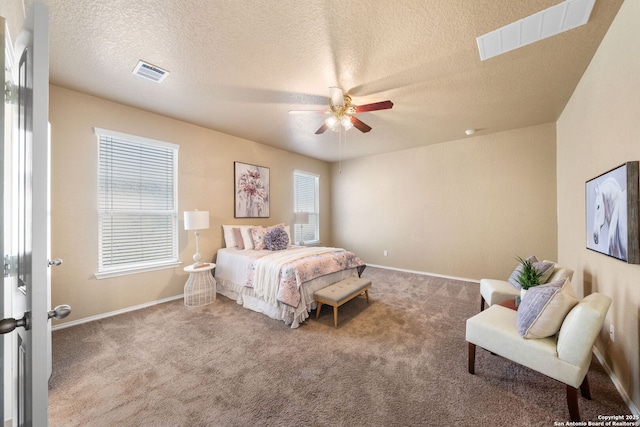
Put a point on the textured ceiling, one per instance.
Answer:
(239, 66)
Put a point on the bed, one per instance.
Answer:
(279, 283)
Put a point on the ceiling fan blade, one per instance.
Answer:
(360, 125)
(382, 105)
(322, 129)
(337, 97)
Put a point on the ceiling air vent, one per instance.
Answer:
(150, 72)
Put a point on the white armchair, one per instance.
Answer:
(495, 291)
(565, 356)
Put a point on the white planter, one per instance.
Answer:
(523, 292)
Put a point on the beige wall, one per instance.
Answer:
(598, 131)
(464, 208)
(205, 182)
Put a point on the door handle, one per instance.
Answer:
(60, 312)
(8, 325)
(55, 262)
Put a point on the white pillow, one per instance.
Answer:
(230, 240)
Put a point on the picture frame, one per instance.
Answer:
(612, 213)
(251, 188)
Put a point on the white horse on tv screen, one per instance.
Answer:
(611, 207)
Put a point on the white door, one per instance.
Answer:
(30, 227)
(5, 296)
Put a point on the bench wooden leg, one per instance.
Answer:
(335, 316)
(472, 358)
(318, 310)
(366, 294)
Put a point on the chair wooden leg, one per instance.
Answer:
(584, 388)
(481, 303)
(572, 403)
(472, 358)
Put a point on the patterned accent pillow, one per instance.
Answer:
(258, 236)
(544, 308)
(545, 267)
(276, 239)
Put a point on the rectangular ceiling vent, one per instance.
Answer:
(150, 72)
(557, 19)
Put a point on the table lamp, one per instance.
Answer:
(301, 218)
(196, 220)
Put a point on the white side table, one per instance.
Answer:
(200, 288)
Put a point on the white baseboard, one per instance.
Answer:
(424, 273)
(614, 379)
(114, 313)
(149, 304)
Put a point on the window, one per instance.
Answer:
(305, 199)
(137, 204)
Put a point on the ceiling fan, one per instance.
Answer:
(342, 112)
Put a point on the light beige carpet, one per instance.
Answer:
(399, 361)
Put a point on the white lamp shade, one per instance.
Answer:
(196, 220)
(331, 121)
(301, 217)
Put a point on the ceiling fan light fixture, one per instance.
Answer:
(345, 121)
(342, 112)
(331, 122)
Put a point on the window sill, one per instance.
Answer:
(136, 270)
(310, 243)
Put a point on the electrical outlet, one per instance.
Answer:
(385, 253)
(612, 332)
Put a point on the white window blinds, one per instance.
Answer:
(305, 188)
(137, 203)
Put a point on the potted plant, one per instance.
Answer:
(529, 275)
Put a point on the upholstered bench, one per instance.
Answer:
(337, 294)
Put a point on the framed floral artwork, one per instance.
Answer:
(251, 191)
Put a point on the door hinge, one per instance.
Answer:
(8, 91)
(9, 262)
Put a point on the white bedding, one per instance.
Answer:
(231, 277)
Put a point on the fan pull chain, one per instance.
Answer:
(340, 132)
